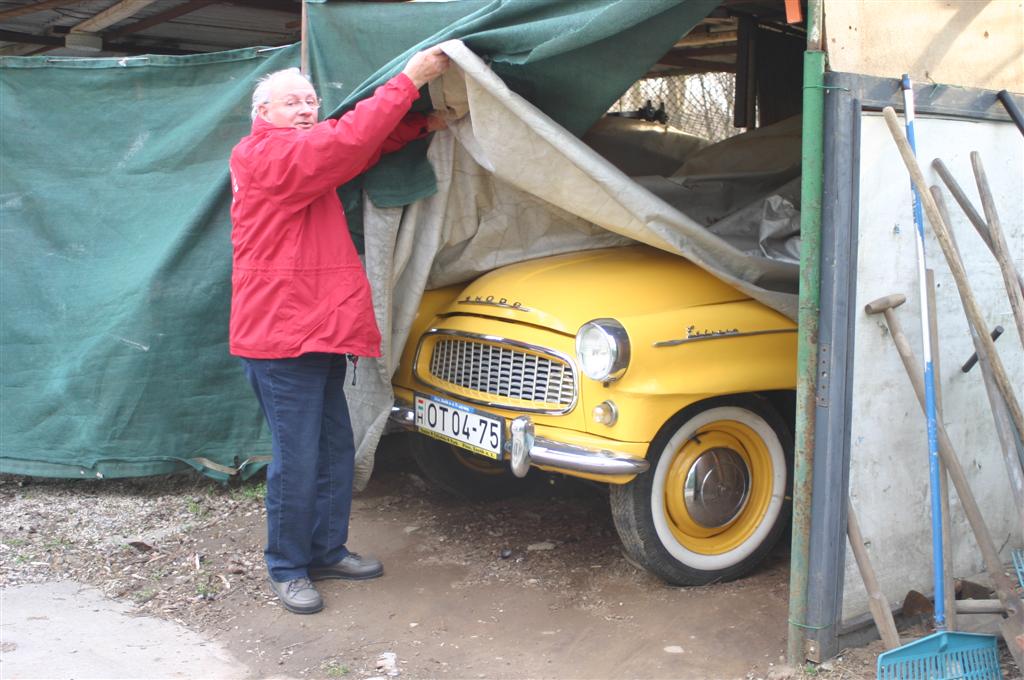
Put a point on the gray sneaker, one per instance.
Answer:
(298, 595)
(352, 567)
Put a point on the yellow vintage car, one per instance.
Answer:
(628, 366)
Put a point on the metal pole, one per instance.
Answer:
(304, 44)
(807, 348)
(929, 375)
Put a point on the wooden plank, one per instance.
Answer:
(36, 7)
(162, 17)
(701, 52)
(289, 7)
(110, 16)
(22, 49)
(702, 38)
(745, 102)
(697, 65)
(30, 39)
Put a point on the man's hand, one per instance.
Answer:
(426, 65)
(436, 121)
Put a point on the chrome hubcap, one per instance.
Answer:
(717, 487)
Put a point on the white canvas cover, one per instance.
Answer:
(514, 185)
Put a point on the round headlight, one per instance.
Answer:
(602, 349)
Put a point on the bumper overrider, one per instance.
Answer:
(524, 449)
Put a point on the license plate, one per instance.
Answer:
(460, 425)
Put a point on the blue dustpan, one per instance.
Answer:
(943, 656)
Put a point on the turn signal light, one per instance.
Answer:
(606, 413)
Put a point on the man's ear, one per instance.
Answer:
(261, 111)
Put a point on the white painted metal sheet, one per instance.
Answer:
(888, 448)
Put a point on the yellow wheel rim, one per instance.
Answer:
(743, 447)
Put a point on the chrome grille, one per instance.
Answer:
(504, 372)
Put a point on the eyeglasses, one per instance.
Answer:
(295, 102)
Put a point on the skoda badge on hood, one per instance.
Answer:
(493, 302)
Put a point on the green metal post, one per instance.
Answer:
(807, 348)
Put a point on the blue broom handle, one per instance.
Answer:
(929, 379)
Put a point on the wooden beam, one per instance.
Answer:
(57, 42)
(36, 7)
(701, 52)
(699, 38)
(697, 65)
(30, 39)
(744, 113)
(22, 49)
(289, 7)
(162, 17)
(110, 16)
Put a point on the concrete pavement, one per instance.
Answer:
(68, 630)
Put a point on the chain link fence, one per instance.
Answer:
(699, 104)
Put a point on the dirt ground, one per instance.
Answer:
(562, 603)
(529, 587)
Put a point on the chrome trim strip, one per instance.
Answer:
(570, 362)
(400, 419)
(551, 454)
(403, 416)
(701, 338)
(561, 456)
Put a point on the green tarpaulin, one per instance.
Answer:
(116, 263)
(114, 203)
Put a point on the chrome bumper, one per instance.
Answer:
(525, 449)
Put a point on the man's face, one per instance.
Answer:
(293, 103)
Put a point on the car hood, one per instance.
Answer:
(563, 292)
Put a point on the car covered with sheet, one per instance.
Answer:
(629, 366)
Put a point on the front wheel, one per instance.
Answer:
(461, 473)
(714, 502)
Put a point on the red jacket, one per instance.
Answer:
(297, 284)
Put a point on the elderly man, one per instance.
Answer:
(301, 302)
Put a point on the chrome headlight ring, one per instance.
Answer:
(602, 349)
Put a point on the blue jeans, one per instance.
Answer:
(309, 480)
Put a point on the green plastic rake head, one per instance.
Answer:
(943, 656)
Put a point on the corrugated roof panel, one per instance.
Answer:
(224, 29)
(219, 26)
(39, 22)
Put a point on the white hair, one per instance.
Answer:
(264, 86)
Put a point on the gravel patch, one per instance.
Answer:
(145, 540)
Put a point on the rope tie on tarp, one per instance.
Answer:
(227, 469)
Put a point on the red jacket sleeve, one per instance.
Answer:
(413, 126)
(298, 165)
